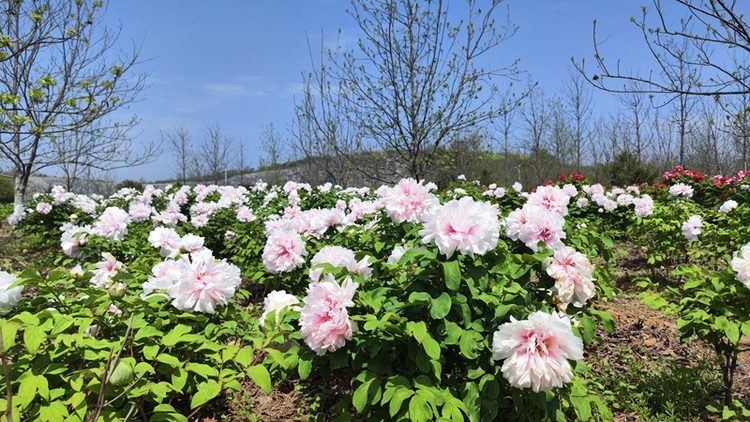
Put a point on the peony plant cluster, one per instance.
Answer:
(406, 286)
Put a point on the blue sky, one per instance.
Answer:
(239, 62)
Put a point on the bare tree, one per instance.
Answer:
(708, 148)
(561, 137)
(578, 98)
(91, 148)
(536, 116)
(665, 154)
(411, 86)
(508, 110)
(635, 112)
(182, 152)
(324, 142)
(709, 25)
(241, 160)
(213, 158)
(737, 124)
(56, 79)
(272, 144)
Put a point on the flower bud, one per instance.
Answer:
(76, 272)
(117, 290)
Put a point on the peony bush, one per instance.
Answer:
(462, 304)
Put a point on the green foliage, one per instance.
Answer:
(668, 392)
(626, 170)
(74, 352)
(132, 184)
(6, 190)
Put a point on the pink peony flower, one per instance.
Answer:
(644, 206)
(112, 224)
(728, 206)
(550, 198)
(681, 189)
(191, 243)
(462, 224)
(277, 300)
(741, 264)
(105, 270)
(324, 319)
(339, 256)
(320, 220)
(166, 239)
(691, 228)
(535, 224)
(165, 275)
(204, 283)
(536, 351)
(408, 200)
(245, 215)
(284, 251)
(43, 208)
(9, 297)
(139, 211)
(572, 272)
(73, 238)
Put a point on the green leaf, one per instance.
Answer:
(169, 360)
(608, 322)
(9, 333)
(467, 344)
(339, 360)
(431, 347)
(33, 337)
(418, 330)
(730, 329)
(27, 390)
(78, 403)
(419, 410)
(150, 351)
(441, 306)
(61, 325)
(42, 387)
(175, 335)
(54, 412)
(361, 396)
(147, 331)
(452, 275)
(228, 352)
(582, 407)
(245, 356)
(206, 371)
(260, 375)
(399, 396)
(589, 329)
(167, 417)
(206, 391)
(304, 368)
(179, 379)
(655, 301)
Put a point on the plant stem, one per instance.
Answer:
(9, 391)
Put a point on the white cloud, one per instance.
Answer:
(220, 91)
